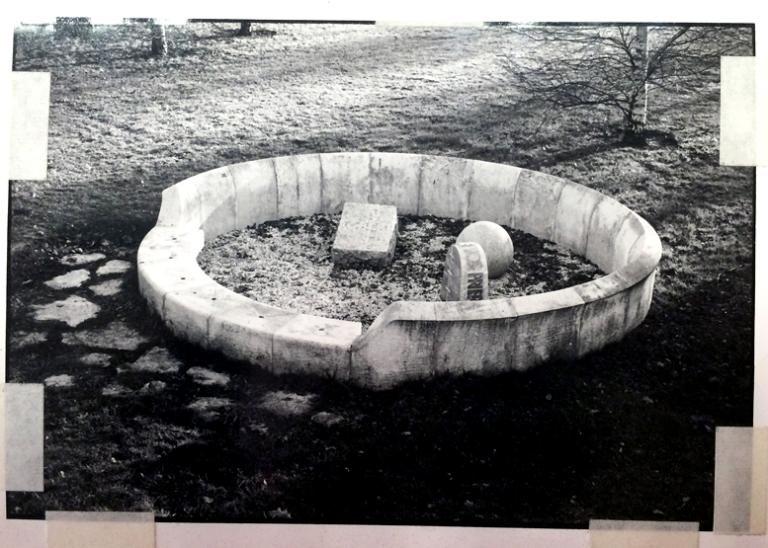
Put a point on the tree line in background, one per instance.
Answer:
(612, 67)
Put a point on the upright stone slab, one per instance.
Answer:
(366, 236)
(465, 276)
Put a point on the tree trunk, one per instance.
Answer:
(642, 38)
(159, 41)
(245, 28)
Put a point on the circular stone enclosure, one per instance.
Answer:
(409, 339)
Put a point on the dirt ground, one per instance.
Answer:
(194, 436)
(287, 263)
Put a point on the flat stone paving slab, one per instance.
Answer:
(116, 336)
(78, 259)
(115, 266)
(72, 311)
(156, 360)
(366, 236)
(72, 279)
(108, 288)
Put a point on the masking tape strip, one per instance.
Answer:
(741, 480)
(742, 138)
(100, 529)
(24, 436)
(30, 103)
(274, 535)
(643, 534)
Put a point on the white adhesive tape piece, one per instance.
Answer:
(24, 437)
(739, 129)
(30, 103)
(100, 529)
(741, 488)
(643, 534)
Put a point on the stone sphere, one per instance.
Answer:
(495, 242)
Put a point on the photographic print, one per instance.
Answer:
(491, 275)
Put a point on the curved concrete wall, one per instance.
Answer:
(409, 339)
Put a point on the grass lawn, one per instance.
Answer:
(626, 433)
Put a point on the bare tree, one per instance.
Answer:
(245, 28)
(159, 40)
(618, 66)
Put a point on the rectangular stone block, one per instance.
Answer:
(630, 231)
(445, 184)
(536, 201)
(255, 192)
(492, 194)
(186, 311)
(639, 299)
(394, 179)
(476, 337)
(316, 345)
(180, 206)
(216, 191)
(161, 243)
(398, 346)
(547, 327)
(299, 188)
(345, 179)
(602, 322)
(604, 226)
(157, 276)
(574, 211)
(246, 332)
(605, 286)
(366, 236)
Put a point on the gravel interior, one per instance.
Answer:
(287, 263)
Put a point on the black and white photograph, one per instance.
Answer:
(326, 272)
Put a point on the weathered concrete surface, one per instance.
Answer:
(547, 327)
(465, 273)
(574, 212)
(408, 327)
(464, 331)
(395, 179)
(345, 179)
(299, 187)
(492, 194)
(187, 310)
(246, 332)
(312, 344)
(445, 184)
(366, 236)
(536, 198)
(409, 339)
(604, 226)
(255, 192)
